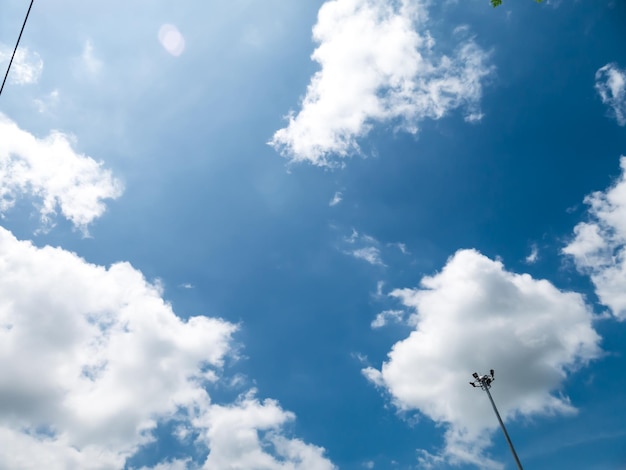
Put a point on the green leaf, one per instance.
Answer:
(496, 3)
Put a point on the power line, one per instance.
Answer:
(16, 44)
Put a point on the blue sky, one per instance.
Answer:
(282, 235)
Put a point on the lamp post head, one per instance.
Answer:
(483, 381)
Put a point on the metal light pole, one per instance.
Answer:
(484, 382)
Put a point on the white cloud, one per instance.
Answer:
(93, 358)
(611, 85)
(47, 102)
(402, 247)
(472, 316)
(26, 68)
(176, 464)
(533, 256)
(364, 247)
(371, 254)
(378, 65)
(599, 245)
(356, 237)
(388, 316)
(379, 289)
(474, 117)
(51, 170)
(337, 198)
(171, 39)
(241, 435)
(91, 63)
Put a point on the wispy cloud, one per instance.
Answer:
(533, 256)
(90, 62)
(27, 65)
(387, 316)
(402, 247)
(611, 86)
(378, 64)
(364, 247)
(475, 314)
(337, 198)
(599, 244)
(48, 102)
(379, 289)
(371, 254)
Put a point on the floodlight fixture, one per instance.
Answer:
(484, 382)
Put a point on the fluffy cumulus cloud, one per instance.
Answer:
(239, 436)
(472, 316)
(378, 64)
(51, 171)
(26, 68)
(599, 244)
(611, 86)
(93, 359)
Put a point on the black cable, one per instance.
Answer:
(16, 44)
